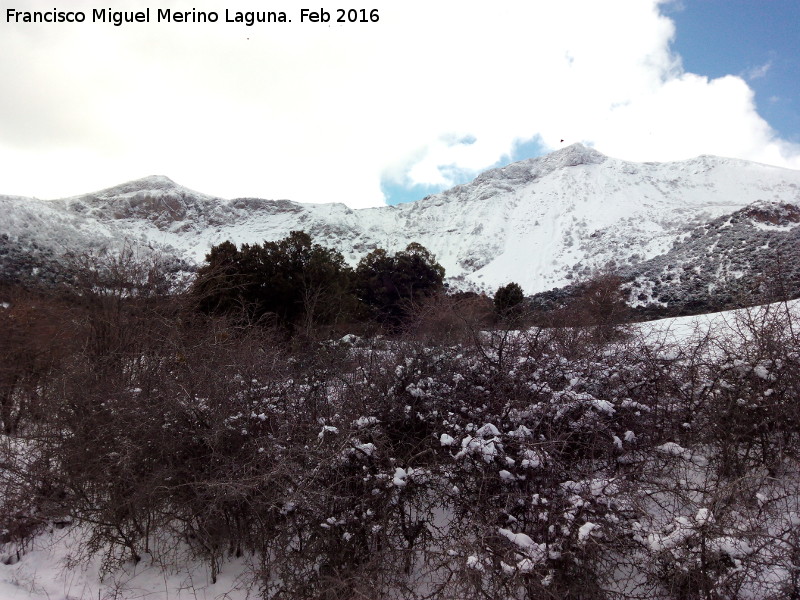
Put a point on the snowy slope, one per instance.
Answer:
(755, 250)
(539, 222)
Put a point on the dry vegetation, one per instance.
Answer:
(456, 458)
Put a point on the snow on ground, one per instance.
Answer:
(44, 573)
(680, 330)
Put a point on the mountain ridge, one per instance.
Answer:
(542, 222)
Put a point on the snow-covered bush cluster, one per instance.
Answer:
(547, 463)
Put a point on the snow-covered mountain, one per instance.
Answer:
(542, 222)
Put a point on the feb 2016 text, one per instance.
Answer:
(167, 15)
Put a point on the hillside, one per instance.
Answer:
(542, 222)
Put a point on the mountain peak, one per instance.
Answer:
(156, 181)
(576, 154)
(152, 186)
(534, 168)
(160, 183)
(573, 155)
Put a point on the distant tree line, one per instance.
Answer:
(296, 283)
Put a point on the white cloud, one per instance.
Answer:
(314, 112)
(758, 72)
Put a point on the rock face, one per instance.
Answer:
(543, 222)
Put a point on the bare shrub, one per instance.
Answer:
(35, 341)
(446, 461)
(449, 319)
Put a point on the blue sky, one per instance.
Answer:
(397, 193)
(757, 39)
(423, 98)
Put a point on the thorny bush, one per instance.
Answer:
(545, 463)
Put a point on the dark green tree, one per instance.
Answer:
(508, 299)
(294, 281)
(391, 285)
(220, 282)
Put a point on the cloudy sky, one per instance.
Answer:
(368, 113)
